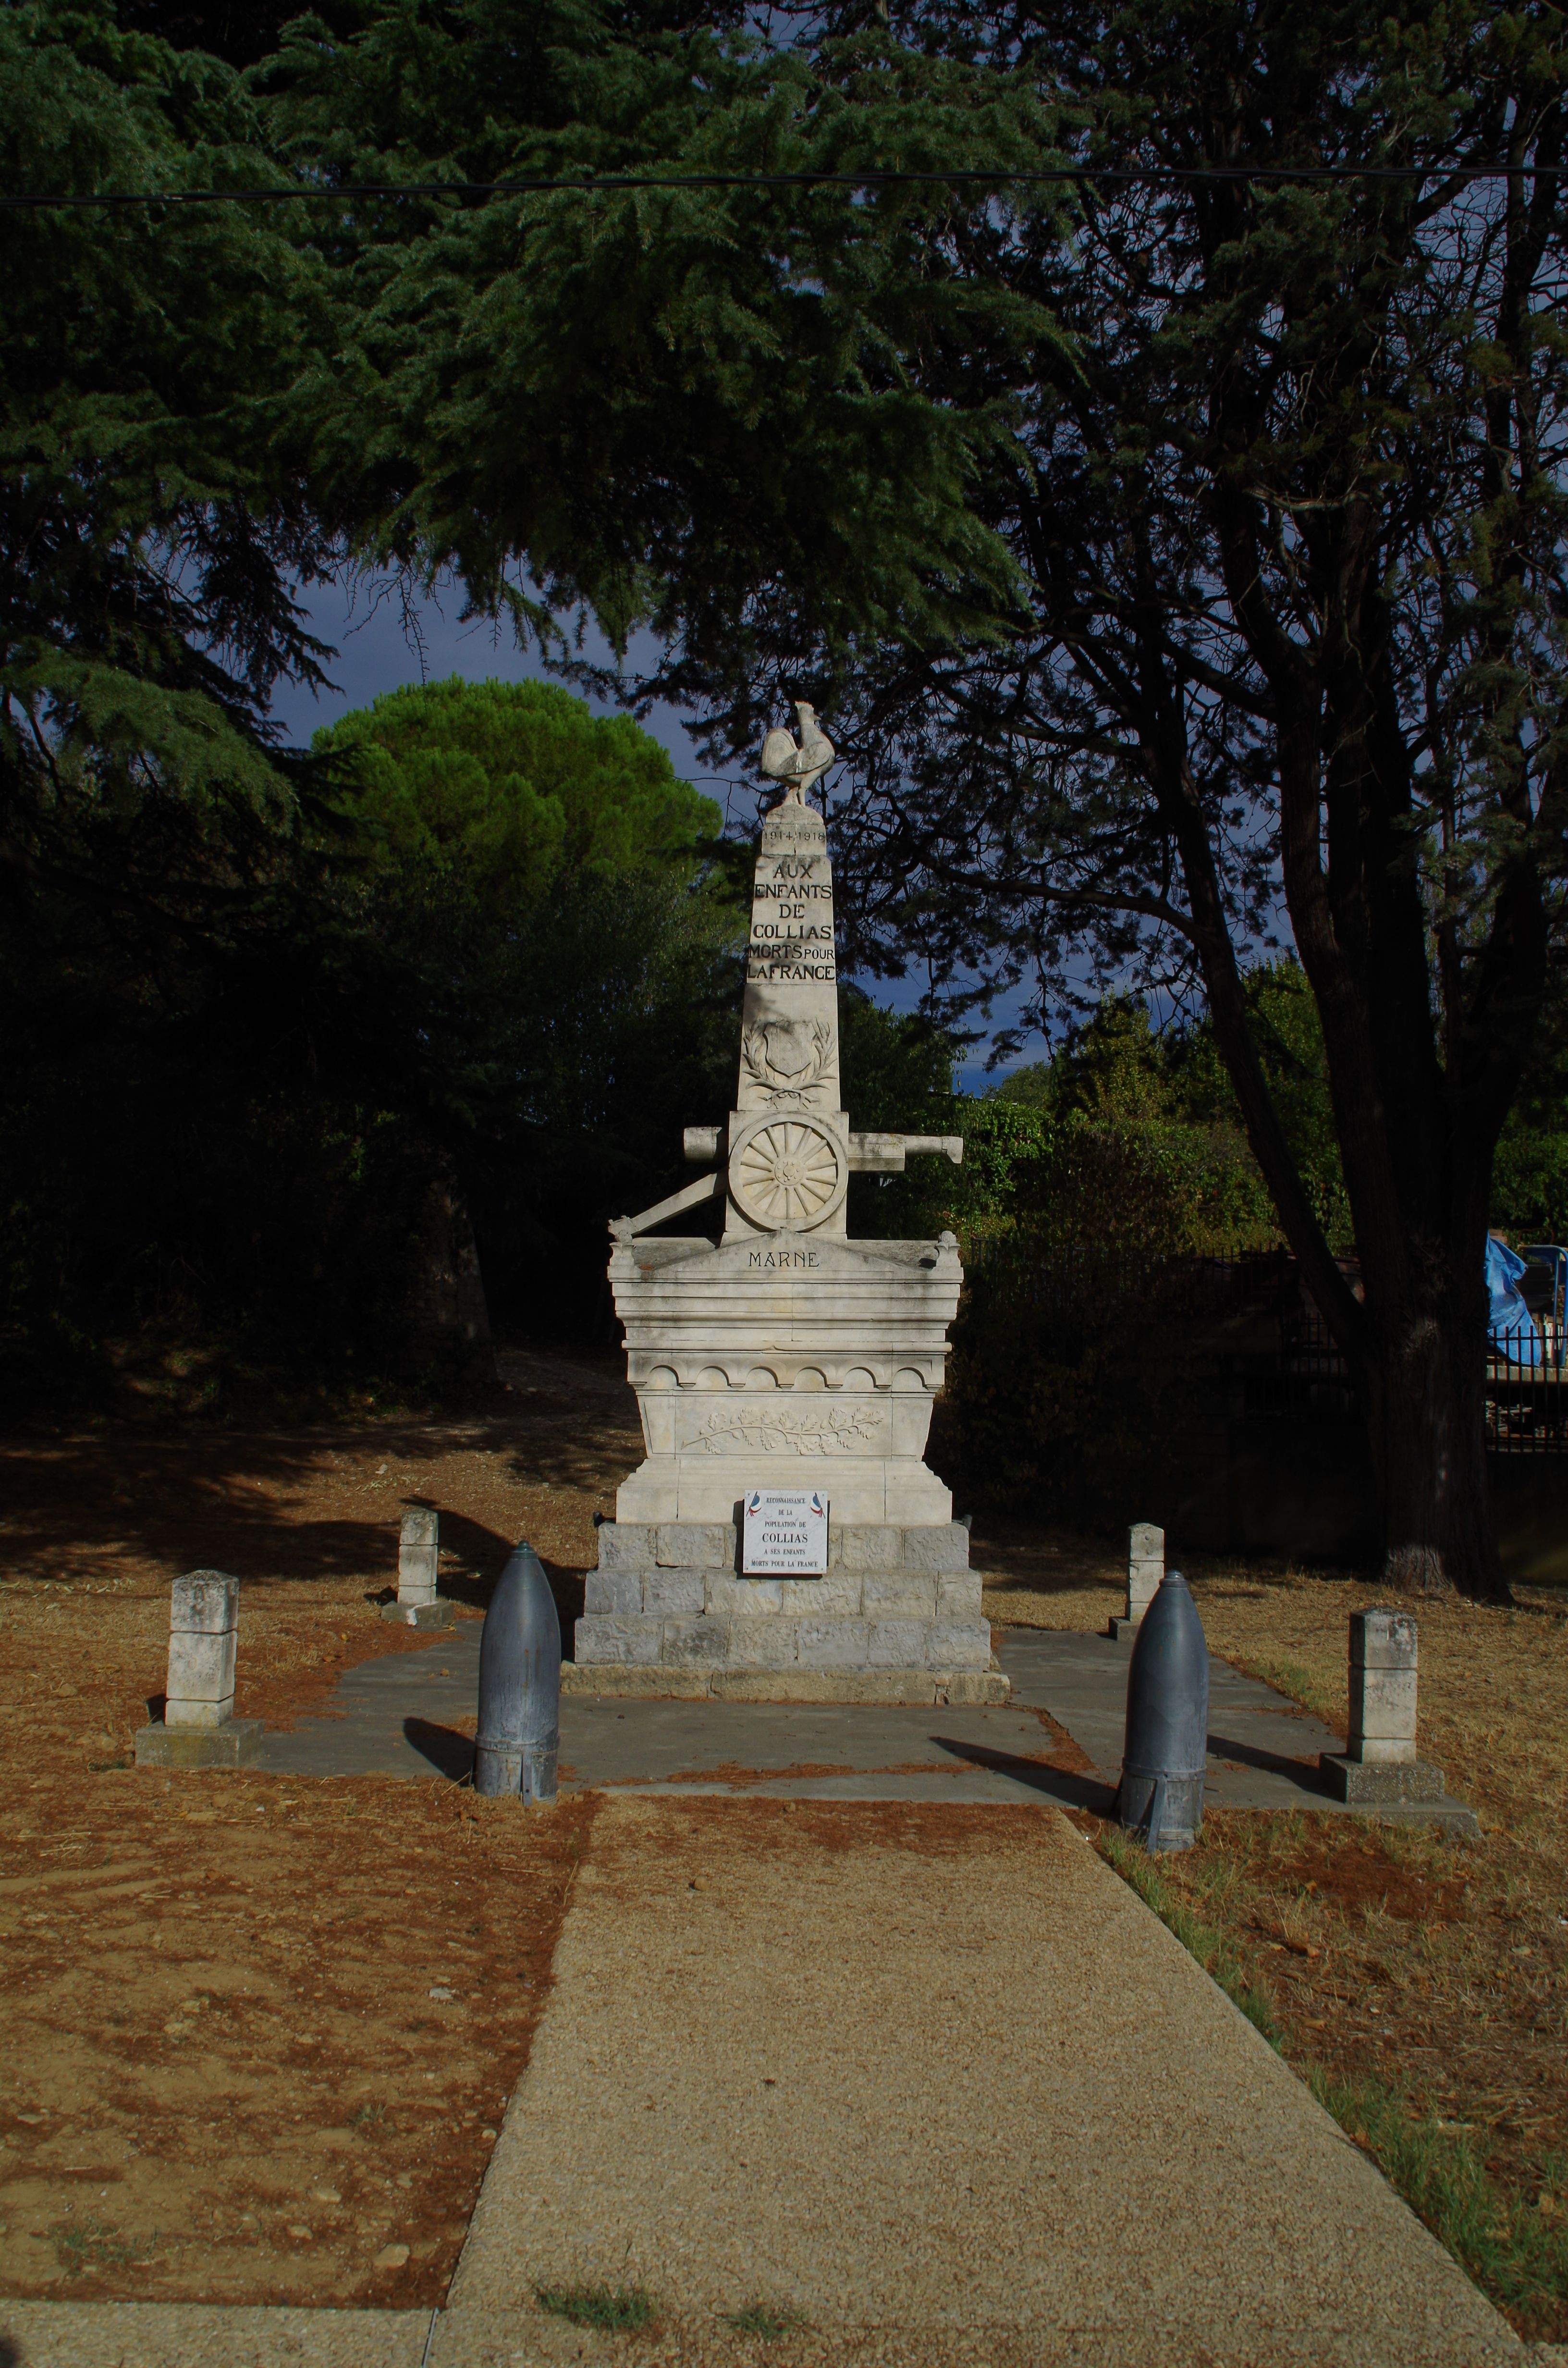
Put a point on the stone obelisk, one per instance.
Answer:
(788, 1138)
(784, 1355)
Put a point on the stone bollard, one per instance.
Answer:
(1145, 1569)
(1379, 1763)
(198, 1728)
(418, 1560)
(518, 1736)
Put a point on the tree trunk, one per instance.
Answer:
(1422, 1388)
(448, 1319)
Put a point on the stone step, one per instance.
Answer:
(670, 1681)
(777, 1641)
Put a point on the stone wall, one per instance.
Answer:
(899, 1606)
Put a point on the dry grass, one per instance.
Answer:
(1418, 1982)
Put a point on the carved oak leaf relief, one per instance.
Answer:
(840, 1430)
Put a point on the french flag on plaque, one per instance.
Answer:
(784, 1533)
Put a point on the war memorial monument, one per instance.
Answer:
(788, 1368)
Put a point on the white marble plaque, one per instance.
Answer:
(785, 1530)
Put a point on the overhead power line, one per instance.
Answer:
(1109, 176)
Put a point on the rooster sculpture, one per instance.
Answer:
(798, 765)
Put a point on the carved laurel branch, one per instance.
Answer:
(753, 1051)
(837, 1432)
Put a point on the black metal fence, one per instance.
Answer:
(1265, 1327)
(1527, 1404)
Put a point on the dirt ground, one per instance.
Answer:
(260, 2031)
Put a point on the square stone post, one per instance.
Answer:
(1145, 1569)
(418, 1560)
(1379, 1763)
(198, 1728)
(1383, 1687)
(204, 1619)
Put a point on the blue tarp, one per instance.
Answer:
(1511, 1325)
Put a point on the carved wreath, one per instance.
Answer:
(754, 1052)
(840, 1431)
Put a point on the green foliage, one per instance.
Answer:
(1077, 1382)
(609, 2307)
(1101, 1182)
(690, 406)
(1113, 1072)
(319, 1029)
(513, 786)
(85, 2245)
(763, 2319)
(896, 1070)
(156, 509)
(1514, 2252)
(1529, 1191)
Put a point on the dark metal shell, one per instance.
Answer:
(519, 1685)
(1167, 1722)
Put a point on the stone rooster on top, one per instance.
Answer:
(798, 765)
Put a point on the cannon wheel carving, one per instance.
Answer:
(788, 1174)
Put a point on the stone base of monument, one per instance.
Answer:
(896, 1618)
(1378, 1781)
(436, 1612)
(1123, 1630)
(894, 1688)
(231, 1744)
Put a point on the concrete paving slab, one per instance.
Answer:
(1262, 1748)
(403, 1716)
(947, 2086)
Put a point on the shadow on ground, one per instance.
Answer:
(1060, 1785)
(449, 1753)
(1251, 1755)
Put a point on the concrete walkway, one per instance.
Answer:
(933, 2086)
(404, 1715)
(944, 2089)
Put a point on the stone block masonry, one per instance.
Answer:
(910, 1623)
(198, 1728)
(1379, 1765)
(1383, 1685)
(770, 1351)
(418, 1604)
(204, 1613)
(1145, 1569)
